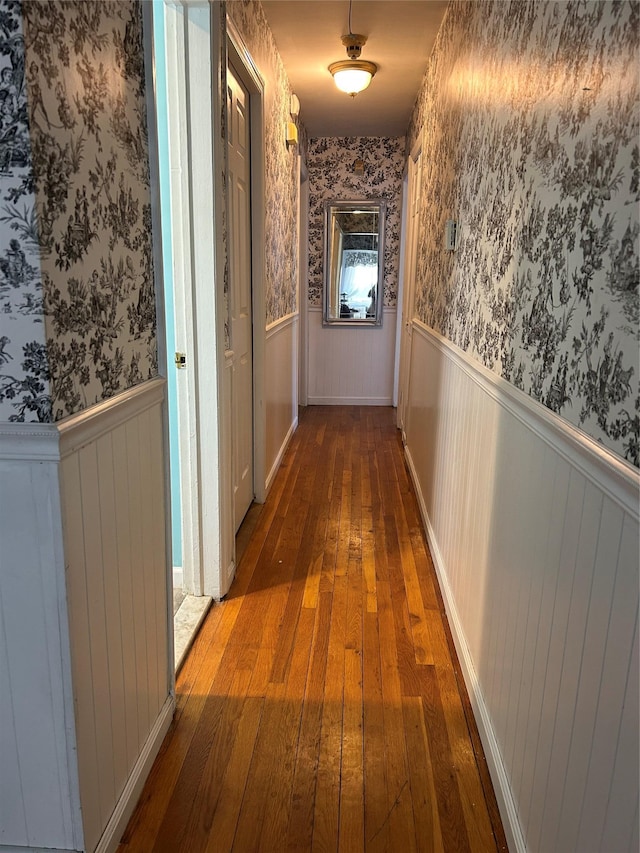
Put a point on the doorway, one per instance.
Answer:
(191, 46)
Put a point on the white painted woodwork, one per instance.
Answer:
(227, 531)
(184, 296)
(39, 800)
(534, 531)
(112, 486)
(412, 186)
(240, 291)
(303, 280)
(240, 57)
(349, 365)
(84, 619)
(194, 49)
(281, 389)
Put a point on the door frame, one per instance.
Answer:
(237, 54)
(407, 277)
(199, 38)
(303, 281)
(194, 41)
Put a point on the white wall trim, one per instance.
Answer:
(506, 803)
(303, 280)
(124, 809)
(88, 425)
(278, 460)
(238, 54)
(280, 324)
(350, 365)
(37, 710)
(350, 401)
(8, 849)
(617, 478)
(29, 443)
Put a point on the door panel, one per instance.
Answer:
(239, 196)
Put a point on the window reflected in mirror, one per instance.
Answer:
(354, 253)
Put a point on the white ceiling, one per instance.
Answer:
(400, 36)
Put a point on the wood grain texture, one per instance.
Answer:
(320, 707)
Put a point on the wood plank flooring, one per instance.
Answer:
(321, 707)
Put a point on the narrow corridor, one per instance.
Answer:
(322, 707)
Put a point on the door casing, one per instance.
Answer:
(239, 215)
(408, 259)
(238, 55)
(196, 42)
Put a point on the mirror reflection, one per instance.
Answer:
(354, 252)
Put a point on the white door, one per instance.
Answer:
(414, 188)
(239, 235)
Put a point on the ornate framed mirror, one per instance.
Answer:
(353, 262)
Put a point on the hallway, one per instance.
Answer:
(321, 706)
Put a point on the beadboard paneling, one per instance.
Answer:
(38, 774)
(280, 390)
(113, 507)
(350, 366)
(534, 530)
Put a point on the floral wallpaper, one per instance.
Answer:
(89, 221)
(331, 163)
(24, 384)
(529, 120)
(281, 168)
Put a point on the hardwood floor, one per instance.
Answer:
(321, 707)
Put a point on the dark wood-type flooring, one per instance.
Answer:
(321, 706)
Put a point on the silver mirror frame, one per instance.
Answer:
(345, 206)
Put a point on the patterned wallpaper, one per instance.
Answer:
(281, 175)
(91, 221)
(24, 384)
(530, 121)
(330, 162)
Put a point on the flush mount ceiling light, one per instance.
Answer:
(353, 75)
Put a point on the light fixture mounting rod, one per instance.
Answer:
(354, 43)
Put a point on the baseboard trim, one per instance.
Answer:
(276, 465)
(506, 803)
(114, 830)
(349, 401)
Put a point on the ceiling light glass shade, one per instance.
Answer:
(352, 75)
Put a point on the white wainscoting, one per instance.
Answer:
(280, 390)
(39, 804)
(113, 509)
(534, 532)
(351, 366)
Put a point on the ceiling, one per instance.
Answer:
(400, 36)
